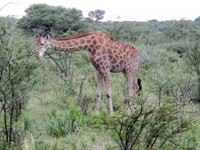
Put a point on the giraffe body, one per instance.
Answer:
(107, 55)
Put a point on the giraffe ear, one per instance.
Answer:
(47, 37)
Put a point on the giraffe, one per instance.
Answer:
(107, 55)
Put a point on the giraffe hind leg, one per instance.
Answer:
(99, 91)
(106, 77)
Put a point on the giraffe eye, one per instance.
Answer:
(41, 44)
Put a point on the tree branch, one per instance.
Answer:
(5, 5)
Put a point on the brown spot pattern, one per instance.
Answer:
(107, 55)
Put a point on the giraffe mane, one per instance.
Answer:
(90, 33)
(124, 44)
(74, 37)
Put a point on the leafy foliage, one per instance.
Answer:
(41, 18)
(16, 79)
(61, 124)
(96, 14)
(193, 56)
(148, 127)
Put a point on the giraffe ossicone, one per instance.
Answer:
(107, 55)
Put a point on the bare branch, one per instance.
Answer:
(5, 5)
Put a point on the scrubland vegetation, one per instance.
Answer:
(50, 104)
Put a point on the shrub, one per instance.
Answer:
(148, 127)
(61, 124)
(16, 80)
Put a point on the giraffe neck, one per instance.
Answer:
(77, 43)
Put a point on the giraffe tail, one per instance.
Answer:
(139, 82)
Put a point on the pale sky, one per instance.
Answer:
(133, 10)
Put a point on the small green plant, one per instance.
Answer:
(61, 124)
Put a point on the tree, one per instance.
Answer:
(193, 56)
(197, 19)
(16, 80)
(96, 14)
(61, 21)
(186, 35)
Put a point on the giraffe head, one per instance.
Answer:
(42, 44)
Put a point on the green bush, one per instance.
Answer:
(17, 79)
(61, 124)
(148, 127)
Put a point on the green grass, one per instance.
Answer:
(89, 136)
(41, 107)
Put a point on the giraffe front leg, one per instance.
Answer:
(108, 90)
(99, 91)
